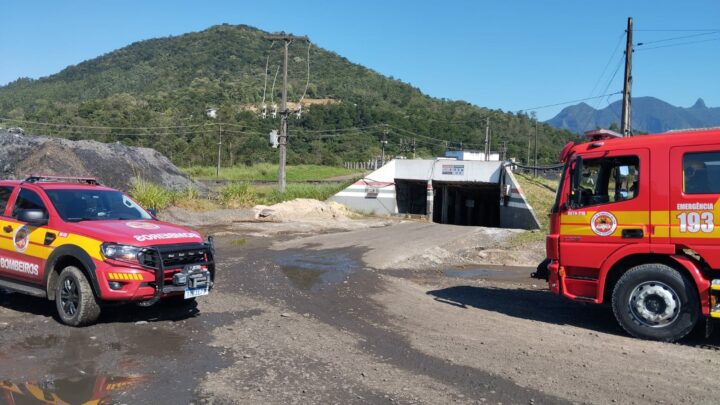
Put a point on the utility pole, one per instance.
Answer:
(283, 138)
(528, 150)
(487, 138)
(626, 120)
(217, 172)
(536, 139)
(212, 113)
(413, 148)
(382, 145)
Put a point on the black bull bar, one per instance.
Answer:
(159, 265)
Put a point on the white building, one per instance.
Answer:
(445, 190)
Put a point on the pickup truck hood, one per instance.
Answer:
(136, 232)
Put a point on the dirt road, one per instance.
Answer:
(351, 314)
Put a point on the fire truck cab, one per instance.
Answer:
(633, 225)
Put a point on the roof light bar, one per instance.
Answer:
(62, 179)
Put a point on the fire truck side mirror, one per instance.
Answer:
(575, 197)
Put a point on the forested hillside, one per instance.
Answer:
(155, 93)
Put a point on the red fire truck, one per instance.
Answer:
(633, 225)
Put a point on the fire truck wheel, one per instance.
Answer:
(656, 302)
(74, 298)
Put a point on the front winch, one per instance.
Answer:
(193, 280)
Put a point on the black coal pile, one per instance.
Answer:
(114, 164)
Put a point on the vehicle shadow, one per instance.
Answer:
(172, 311)
(27, 304)
(536, 305)
(121, 313)
(543, 306)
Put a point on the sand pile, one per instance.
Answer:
(302, 209)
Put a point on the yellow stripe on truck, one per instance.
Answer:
(125, 276)
(664, 223)
(37, 247)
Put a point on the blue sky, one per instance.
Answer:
(503, 54)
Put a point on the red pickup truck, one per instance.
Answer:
(83, 245)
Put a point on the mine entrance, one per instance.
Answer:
(411, 196)
(476, 204)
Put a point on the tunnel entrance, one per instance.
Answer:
(411, 196)
(475, 204)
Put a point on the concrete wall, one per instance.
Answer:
(448, 170)
(515, 211)
(375, 194)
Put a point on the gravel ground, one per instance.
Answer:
(307, 313)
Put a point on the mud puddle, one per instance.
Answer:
(81, 389)
(312, 270)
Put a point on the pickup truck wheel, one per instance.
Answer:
(656, 302)
(74, 298)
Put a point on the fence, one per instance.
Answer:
(372, 164)
(548, 172)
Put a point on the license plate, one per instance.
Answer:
(196, 292)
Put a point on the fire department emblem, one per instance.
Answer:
(142, 225)
(603, 223)
(21, 238)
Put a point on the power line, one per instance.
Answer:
(678, 44)
(432, 138)
(570, 102)
(340, 129)
(617, 69)
(612, 55)
(307, 83)
(676, 38)
(267, 64)
(116, 134)
(681, 30)
(93, 127)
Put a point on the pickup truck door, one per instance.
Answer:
(23, 251)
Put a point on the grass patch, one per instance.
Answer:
(234, 195)
(190, 199)
(151, 195)
(540, 194)
(269, 195)
(237, 195)
(238, 242)
(268, 171)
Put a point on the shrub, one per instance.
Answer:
(315, 191)
(237, 195)
(151, 195)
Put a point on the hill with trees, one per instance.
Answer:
(155, 92)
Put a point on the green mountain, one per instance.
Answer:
(649, 114)
(155, 92)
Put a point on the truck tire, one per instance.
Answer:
(656, 302)
(74, 298)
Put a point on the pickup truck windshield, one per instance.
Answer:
(94, 205)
